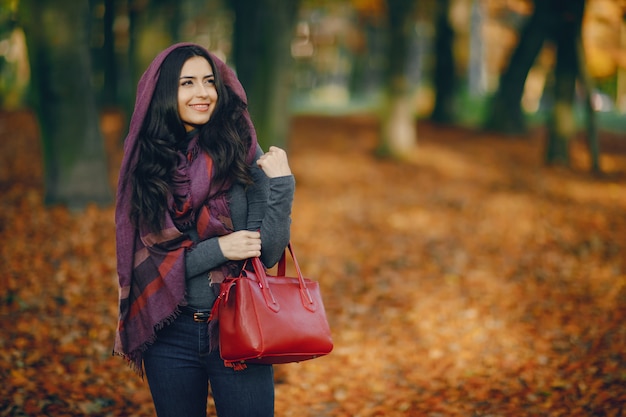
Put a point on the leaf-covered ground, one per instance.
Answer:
(468, 280)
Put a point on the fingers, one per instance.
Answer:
(276, 149)
(240, 245)
(274, 163)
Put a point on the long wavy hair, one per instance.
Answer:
(226, 138)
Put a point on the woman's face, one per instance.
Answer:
(197, 96)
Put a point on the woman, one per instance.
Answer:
(196, 196)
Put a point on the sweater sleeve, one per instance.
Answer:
(269, 210)
(276, 222)
(204, 257)
(256, 195)
(269, 202)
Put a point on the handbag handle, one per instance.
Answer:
(259, 269)
(282, 262)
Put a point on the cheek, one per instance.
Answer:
(182, 97)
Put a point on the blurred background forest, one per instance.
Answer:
(498, 65)
(461, 194)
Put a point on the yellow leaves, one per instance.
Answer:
(18, 378)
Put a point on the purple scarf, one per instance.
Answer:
(151, 266)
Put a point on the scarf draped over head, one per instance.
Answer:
(151, 266)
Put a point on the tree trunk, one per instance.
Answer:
(562, 123)
(128, 62)
(506, 115)
(110, 63)
(262, 41)
(444, 77)
(73, 148)
(592, 123)
(620, 93)
(477, 73)
(102, 47)
(399, 132)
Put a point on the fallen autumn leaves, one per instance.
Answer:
(468, 280)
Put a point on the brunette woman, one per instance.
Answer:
(196, 197)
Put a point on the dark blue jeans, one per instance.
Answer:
(179, 368)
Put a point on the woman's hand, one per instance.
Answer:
(274, 163)
(240, 245)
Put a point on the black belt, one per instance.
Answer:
(200, 316)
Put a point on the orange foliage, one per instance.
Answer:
(468, 280)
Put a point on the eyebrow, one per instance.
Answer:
(190, 77)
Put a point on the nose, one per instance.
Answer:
(202, 90)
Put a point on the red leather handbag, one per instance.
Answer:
(271, 319)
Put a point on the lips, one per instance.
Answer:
(200, 107)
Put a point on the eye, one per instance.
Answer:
(186, 83)
(209, 80)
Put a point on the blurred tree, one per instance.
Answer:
(506, 113)
(13, 80)
(369, 16)
(559, 21)
(110, 58)
(262, 36)
(566, 33)
(103, 57)
(444, 74)
(592, 123)
(477, 62)
(73, 148)
(398, 124)
(128, 77)
(113, 50)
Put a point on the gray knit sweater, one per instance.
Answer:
(265, 206)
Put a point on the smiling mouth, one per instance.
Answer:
(199, 107)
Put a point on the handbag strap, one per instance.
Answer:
(259, 269)
(283, 260)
